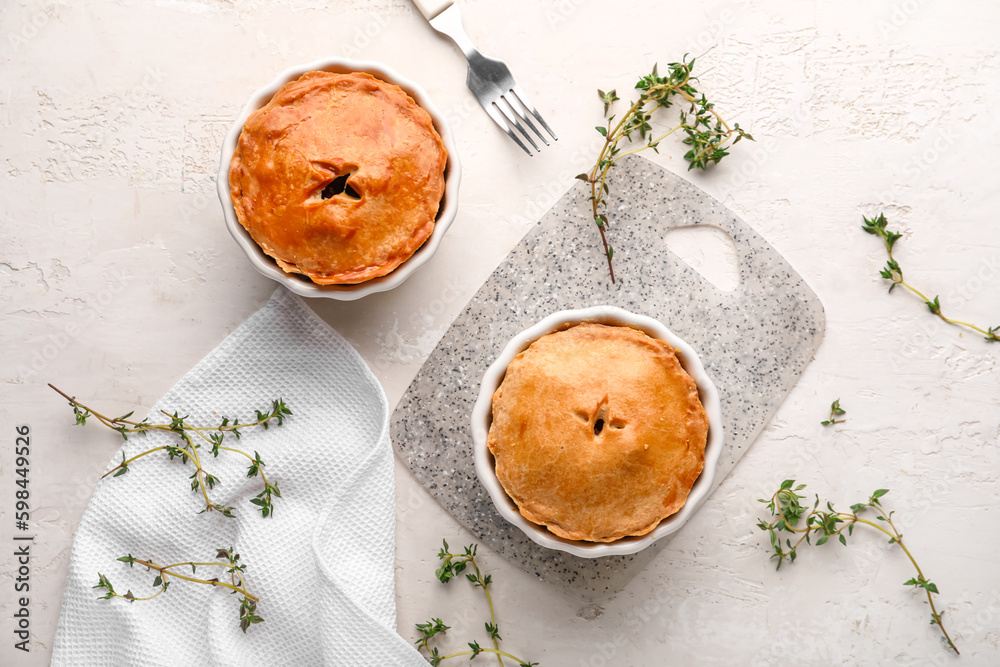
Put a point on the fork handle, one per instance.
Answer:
(431, 8)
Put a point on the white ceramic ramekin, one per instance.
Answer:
(482, 416)
(300, 284)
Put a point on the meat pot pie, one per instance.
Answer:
(598, 432)
(338, 177)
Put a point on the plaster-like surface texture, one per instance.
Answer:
(117, 276)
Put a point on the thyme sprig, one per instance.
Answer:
(835, 411)
(236, 584)
(192, 438)
(705, 131)
(789, 511)
(453, 565)
(893, 273)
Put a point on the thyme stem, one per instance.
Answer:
(248, 602)
(892, 272)
(706, 132)
(213, 436)
(453, 564)
(785, 505)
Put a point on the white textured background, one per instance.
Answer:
(117, 275)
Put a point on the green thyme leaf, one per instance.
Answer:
(787, 511)
(701, 128)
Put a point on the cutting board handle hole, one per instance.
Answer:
(708, 250)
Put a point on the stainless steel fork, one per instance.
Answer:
(489, 79)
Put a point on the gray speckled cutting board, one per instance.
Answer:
(755, 341)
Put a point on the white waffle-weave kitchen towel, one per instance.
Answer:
(322, 565)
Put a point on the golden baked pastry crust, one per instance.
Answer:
(598, 432)
(315, 129)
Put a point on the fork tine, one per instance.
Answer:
(511, 114)
(489, 79)
(523, 100)
(498, 118)
(517, 108)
